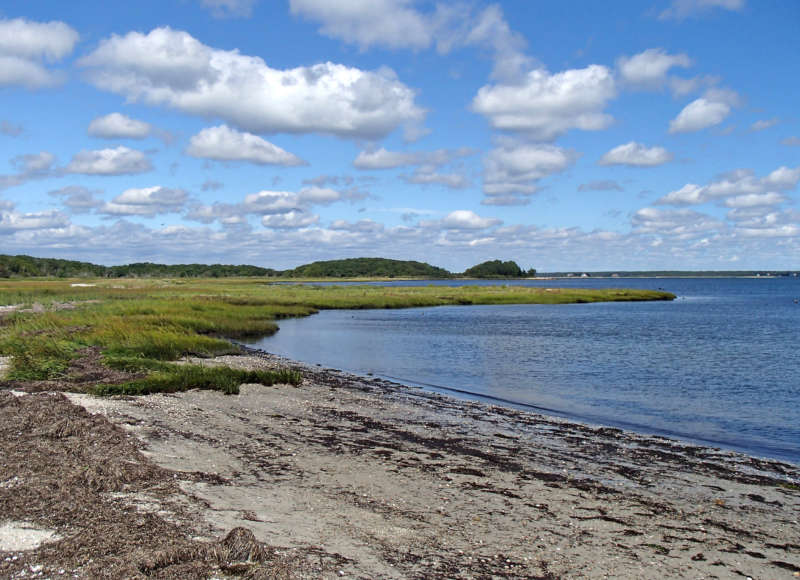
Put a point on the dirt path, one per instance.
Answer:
(364, 478)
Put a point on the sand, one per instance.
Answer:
(378, 480)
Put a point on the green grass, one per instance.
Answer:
(176, 378)
(145, 323)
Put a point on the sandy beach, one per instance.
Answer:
(357, 477)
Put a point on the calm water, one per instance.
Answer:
(719, 365)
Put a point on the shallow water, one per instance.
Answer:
(718, 365)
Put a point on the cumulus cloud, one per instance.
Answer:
(765, 222)
(361, 226)
(423, 176)
(77, 198)
(222, 143)
(29, 166)
(648, 69)
(755, 200)
(544, 106)
(290, 220)
(383, 159)
(116, 161)
(294, 204)
(388, 23)
(461, 219)
(707, 111)
(146, 202)
(673, 222)
(682, 9)
(171, 68)
(11, 221)
(515, 168)
(26, 45)
(741, 183)
(636, 155)
(398, 24)
(427, 165)
(118, 126)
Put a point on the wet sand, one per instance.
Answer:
(378, 480)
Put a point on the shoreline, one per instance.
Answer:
(362, 477)
(464, 395)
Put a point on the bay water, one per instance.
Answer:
(720, 365)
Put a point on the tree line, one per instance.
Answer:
(31, 267)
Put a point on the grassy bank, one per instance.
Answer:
(139, 326)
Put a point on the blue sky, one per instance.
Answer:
(564, 135)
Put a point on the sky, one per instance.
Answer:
(569, 135)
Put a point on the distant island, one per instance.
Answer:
(22, 266)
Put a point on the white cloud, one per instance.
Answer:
(11, 221)
(33, 163)
(681, 9)
(29, 74)
(117, 161)
(740, 184)
(361, 226)
(675, 222)
(462, 219)
(514, 168)
(707, 111)
(762, 124)
(397, 24)
(648, 69)
(545, 106)
(427, 162)
(383, 159)
(271, 202)
(118, 126)
(24, 45)
(170, 67)
(755, 200)
(77, 198)
(229, 8)
(49, 40)
(765, 222)
(225, 144)
(318, 195)
(783, 178)
(791, 141)
(424, 176)
(491, 30)
(388, 23)
(505, 200)
(148, 201)
(290, 220)
(636, 155)
(29, 166)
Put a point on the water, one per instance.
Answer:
(719, 365)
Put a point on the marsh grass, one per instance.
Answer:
(146, 323)
(176, 378)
